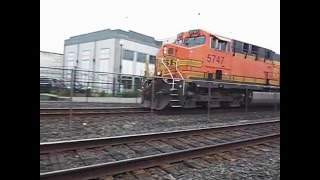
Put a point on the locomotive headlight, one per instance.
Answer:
(164, 50)
(159, 73)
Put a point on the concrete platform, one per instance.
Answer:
(52, 98)
(107, 99)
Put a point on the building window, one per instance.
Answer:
(85, 55)
(105, 53)
(70, 56)
(152, 59)
(142, 57)
(128, 55)
(127, 82)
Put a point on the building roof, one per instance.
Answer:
(50, 53)
(110, 34)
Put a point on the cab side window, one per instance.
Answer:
(219, 44)
(214, 42)
(245, 48)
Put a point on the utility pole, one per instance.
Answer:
(120, 68)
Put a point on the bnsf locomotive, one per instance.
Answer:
(205, 69)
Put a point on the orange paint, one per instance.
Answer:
(230, 63)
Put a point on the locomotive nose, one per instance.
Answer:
(168, 50)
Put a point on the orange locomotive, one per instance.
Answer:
(204, 69)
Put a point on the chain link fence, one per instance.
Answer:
(88, 86)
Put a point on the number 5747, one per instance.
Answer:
(212, 58)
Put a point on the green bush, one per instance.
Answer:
(64, 92)
(129, 94)
(88, 93)
(60, 92)
(53, 92)
(102, 94)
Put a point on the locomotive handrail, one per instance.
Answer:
(166, 68)
(223, 82)
(178, 69)
(168, 71)
(180, 76)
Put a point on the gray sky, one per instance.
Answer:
(253, 21)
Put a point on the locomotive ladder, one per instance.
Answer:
(174, 91)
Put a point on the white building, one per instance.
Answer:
(168, 40)
(103, 51)
(49, 61)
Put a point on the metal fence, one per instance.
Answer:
(75, 85)
(67, 83)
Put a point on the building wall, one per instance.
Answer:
(100, 63)
(134, 67)
(86, 53)
(105, 61)
(48, 59)
(70, 56)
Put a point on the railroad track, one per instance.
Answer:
(224, 164)
(64, 112)
(105, 111)
(94, 158)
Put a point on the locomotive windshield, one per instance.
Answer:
(179, 41)
(193, 41)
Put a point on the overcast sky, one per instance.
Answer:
(253, 21)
